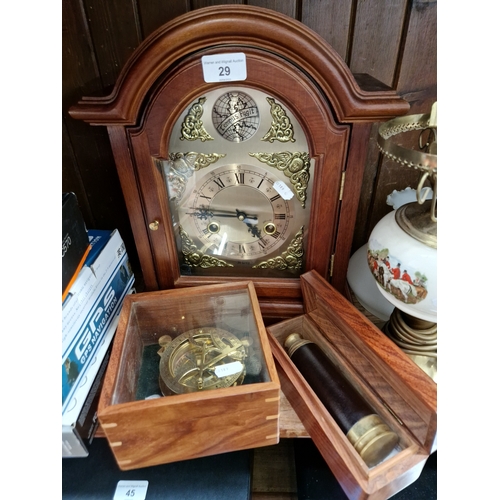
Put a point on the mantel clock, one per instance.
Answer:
(240, 138)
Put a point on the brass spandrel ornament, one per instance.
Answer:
(193, 257)
(201, 359)
(281, 128)
(192, 126)
(180, 167)
(290, 259)
(294, 165)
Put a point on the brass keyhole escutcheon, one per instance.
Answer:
(154, 225)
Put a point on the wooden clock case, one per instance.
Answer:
(284, 59)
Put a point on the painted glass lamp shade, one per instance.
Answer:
(364, 287)
(404, 268)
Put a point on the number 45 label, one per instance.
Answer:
(224, 67)
(131, 490)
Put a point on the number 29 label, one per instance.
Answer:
(224, 67)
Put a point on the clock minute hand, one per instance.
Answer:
(205, 212)
(249, 220)
(242, 216)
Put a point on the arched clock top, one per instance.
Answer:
(244, 26)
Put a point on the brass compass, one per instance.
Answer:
(201, 359)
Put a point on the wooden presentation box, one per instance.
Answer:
(400, 392)
(143, 432)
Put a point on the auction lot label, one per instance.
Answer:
(224, 67)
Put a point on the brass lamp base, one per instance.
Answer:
(417, 338)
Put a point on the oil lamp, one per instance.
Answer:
(402, 248)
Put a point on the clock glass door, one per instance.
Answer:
(238, 178)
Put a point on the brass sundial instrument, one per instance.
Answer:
(201, 359)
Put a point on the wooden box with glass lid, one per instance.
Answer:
(190, 375)
(240, 138)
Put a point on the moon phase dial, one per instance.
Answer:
(235, 116)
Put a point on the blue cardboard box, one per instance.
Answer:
(90, 317)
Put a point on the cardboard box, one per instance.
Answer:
(75, 241)
(78, 435)
(143, 432)
(89, 317)
(107, 257)
(399, 391)
(80, 421)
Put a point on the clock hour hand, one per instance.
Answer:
(205, 213)
(254, 230)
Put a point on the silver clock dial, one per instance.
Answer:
(237, 213)
(239, 177)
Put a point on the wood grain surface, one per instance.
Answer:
(393, 41)
(400, 392)
(148, 432)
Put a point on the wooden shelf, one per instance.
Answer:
(290, 424)
(274, 475)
